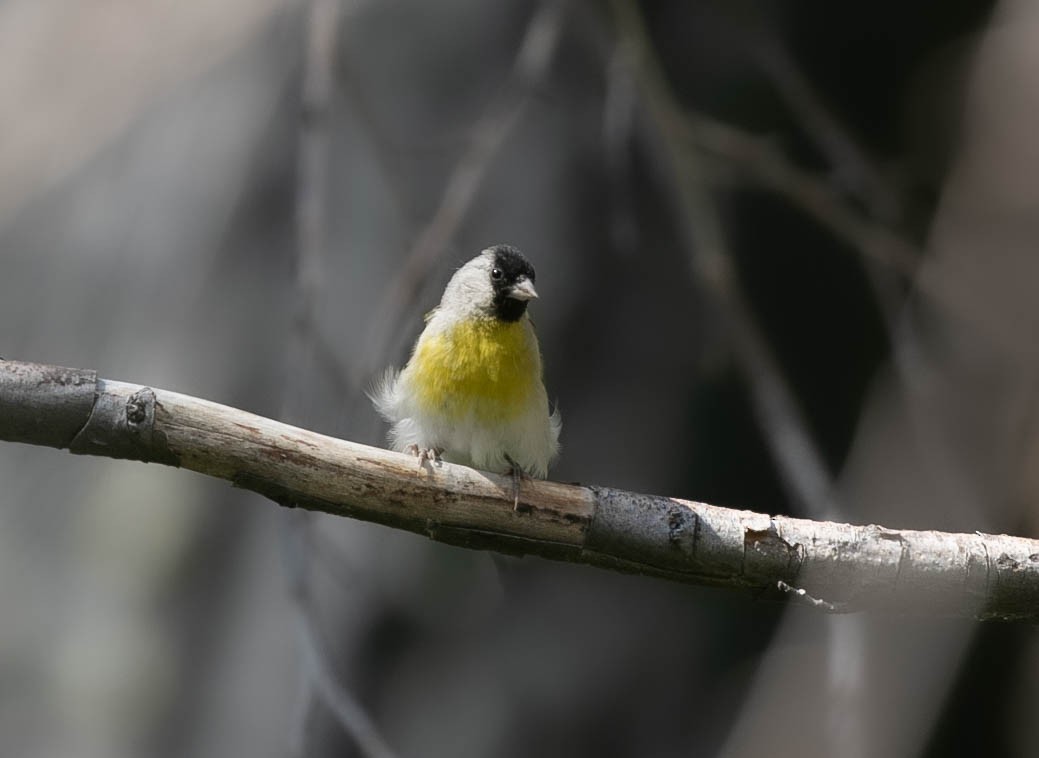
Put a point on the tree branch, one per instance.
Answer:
(841, 567)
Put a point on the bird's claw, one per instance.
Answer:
(425, 454)
(518, 475)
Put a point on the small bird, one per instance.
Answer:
(472, 391)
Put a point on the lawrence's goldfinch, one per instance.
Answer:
(472, 392)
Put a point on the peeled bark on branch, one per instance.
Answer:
(829, 566)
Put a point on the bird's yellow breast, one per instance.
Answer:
(486, 368)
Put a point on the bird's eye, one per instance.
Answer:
(496, 274)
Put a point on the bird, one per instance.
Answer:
(473, 390)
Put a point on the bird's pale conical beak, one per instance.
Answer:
(523, 290)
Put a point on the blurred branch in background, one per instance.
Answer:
(308, 348)
(760, 160)
(841, 567)
(795, 453)
(489, 134)
(684, 143)
(319, 674)
(852, 170)
(620, 111)
(321, 30)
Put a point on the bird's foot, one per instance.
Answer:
(425, 454)
(518, 475)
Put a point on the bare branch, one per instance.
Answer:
(852, 169)
(852, 567)
(760, 159)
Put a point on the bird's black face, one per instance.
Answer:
(512, 280)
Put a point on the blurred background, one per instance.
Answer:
(786, 253)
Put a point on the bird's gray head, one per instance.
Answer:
(499, 283)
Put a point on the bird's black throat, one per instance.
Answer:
(509, 309)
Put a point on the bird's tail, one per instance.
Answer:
(384, 395)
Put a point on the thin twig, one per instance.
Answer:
(804, 597)
(760, 160)
(852, 168)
